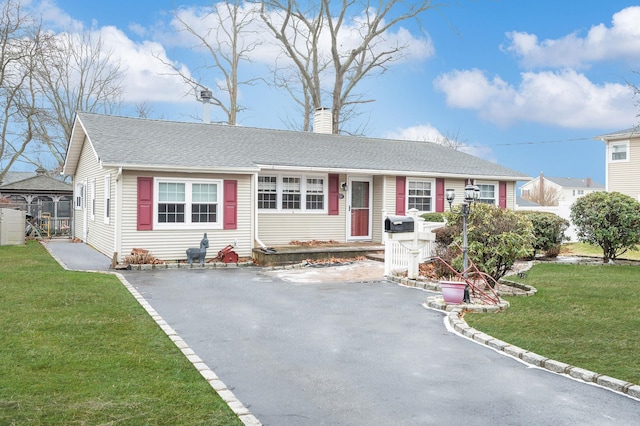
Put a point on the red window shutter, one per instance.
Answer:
(401, 194)
(502, 195)
(440, 195)
(230, 204)
(334, 194)
(145, 204)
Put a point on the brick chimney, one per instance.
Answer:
(589, 182)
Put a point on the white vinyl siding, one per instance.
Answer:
(171, 244)
(89, 173)
(624, 176)
(92, 207)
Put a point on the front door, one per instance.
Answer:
(360, 208)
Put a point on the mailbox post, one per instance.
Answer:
(403, 230)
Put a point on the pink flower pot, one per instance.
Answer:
(452, 291)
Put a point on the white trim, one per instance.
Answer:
(350, 180)
(627, 151)
(92, 207)
(187, 224)
(78, 196)
(107, 198)
(496, 189)
(303, 193)
(433, 194)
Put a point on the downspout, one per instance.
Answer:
(116, 214)
(254, 202)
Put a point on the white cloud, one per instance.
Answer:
(207, 21)
(564, 98)
(146, 77)
(422, 132)
(426, 132)
(620, 41)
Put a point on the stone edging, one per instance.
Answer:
(457, 322)
(175, 265)
(214, 381)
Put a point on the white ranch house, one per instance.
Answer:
(160, 185)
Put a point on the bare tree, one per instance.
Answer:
(368, 51)
(227, 44)
(452, 140)
(542, 194)
(78, 74)
(21, 46)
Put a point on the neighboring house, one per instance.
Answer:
(563, 191)
(38, 194)
(623, 162)
(160, 185)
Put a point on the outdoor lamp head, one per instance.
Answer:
(450, 195)
(469, 192)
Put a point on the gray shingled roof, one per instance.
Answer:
(522, 202)
(11, 177)
(632, 131)
(131, 142)
(577, 183)
(39, 183)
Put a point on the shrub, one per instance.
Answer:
(610, 220)
(548, 231)
(433, 217)
(496, 238)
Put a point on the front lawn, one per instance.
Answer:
(585, 315)
(584, 249)
(76, 348)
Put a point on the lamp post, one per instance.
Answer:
(471, 195)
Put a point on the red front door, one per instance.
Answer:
(360, 209)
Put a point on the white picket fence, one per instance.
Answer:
(397, 255)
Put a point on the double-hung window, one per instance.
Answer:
(290, 192)
(619, 151)
(488, 193)
(187, 203)
(267, 192)
(79, 196)
(420, 195)
(107, 198)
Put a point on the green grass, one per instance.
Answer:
(584, 249)
(587, 316)
(77, 349)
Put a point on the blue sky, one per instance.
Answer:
(526, 84)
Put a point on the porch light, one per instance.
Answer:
(450, 195)
(471, 196)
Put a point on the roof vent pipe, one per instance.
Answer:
(205, 98)
(322, 121)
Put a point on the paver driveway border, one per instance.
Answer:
(453, 321)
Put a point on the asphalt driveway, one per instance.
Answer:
(358, 354)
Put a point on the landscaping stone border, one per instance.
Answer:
(455, 319)
(176, 265)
